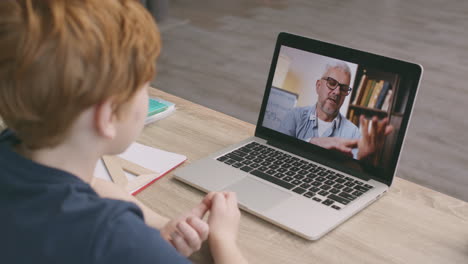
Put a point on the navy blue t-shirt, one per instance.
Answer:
(51, 216)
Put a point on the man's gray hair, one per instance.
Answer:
(337, 64)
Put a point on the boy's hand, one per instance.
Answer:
(224, 218)
(187, 232)
(224, 224)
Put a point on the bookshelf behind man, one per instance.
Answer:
(378, 93)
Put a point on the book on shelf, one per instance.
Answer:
(375, 94)
(365, 90)
(360, 90)
(383, 93)
(386, 103)
(158, 109)
(355, 118)
(368, 93)
(351, 114)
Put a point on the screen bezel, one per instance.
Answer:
(329, 158)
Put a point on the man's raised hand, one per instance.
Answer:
(372, 137)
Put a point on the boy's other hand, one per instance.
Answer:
(187, 233)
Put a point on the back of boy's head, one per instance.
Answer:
(60, 57)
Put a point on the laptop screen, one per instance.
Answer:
(354, 111)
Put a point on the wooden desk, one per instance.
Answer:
(410, 224)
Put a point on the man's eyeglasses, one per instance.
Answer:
(332, 84)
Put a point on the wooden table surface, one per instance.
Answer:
(410, 224)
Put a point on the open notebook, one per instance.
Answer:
(158, 161)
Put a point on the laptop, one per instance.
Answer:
(313, 163)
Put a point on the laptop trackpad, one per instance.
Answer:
(257, 195)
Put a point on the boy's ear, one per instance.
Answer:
(105, 119)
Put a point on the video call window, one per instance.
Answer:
(320, 100)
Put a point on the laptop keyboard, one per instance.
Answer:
(305, 178)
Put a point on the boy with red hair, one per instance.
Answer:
(74, 76)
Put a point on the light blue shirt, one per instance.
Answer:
(302, 123)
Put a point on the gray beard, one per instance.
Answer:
(327, 111)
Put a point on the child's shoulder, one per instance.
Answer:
(74, 224)
(45, 208)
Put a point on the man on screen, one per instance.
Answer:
(322, 124)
